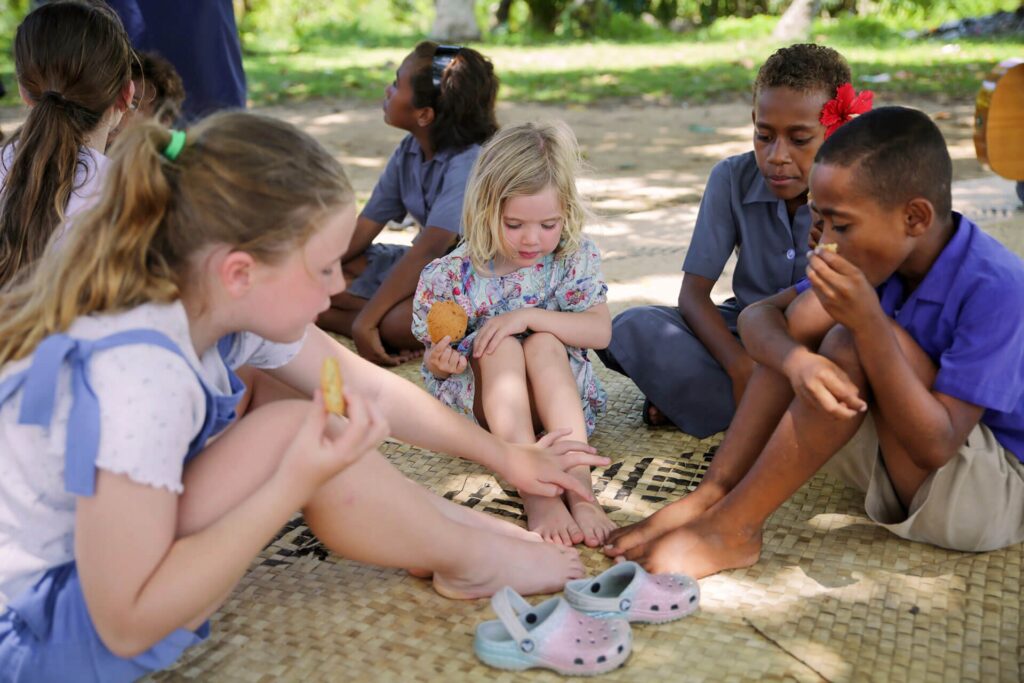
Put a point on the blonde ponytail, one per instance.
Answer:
(248, 181)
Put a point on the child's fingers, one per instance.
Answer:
(827, 402)
(563, 447)
(577, 458)
(316, 417)
(451, 360)
(460, 365)
(571, 483)
(845, 391)
(480, 343)
(553, 436)
(541, 488)
(821, 287)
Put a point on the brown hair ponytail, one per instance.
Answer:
(463, 103)
(72, 61)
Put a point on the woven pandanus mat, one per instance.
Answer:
(833, 597)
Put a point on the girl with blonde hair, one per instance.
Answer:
(530, 283)
(124, 526)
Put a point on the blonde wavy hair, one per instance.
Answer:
(520, 161)
(248, 181)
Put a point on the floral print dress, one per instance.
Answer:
(569, 283)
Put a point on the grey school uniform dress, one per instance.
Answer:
(655, 347)
(430, 191)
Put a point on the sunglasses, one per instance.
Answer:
(443, 56)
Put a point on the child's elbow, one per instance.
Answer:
(603, 337)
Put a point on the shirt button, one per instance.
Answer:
(791, 254)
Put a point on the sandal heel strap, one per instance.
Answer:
(508, 605)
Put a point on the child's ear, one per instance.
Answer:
(236, 272)
(425, 117)
(918, 216)
(124, 102)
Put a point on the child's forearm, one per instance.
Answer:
(703, 317)
(366, 231)
(920, 421)
(765, 335)
(589, 329)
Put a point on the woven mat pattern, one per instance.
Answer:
(833, 598)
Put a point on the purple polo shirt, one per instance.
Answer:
(968, 316)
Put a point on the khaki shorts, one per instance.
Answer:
(974, 503)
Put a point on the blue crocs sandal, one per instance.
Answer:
(627, 591)
(551, 635)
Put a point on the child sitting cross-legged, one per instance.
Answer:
(531, 285)
(898, 364)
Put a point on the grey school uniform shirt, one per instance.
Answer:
(655, 347)
(430, 191)
(739, 212)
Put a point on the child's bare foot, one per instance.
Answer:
(496, 561)
(670, 517)
(551, 519)
(481, 520)
(592, 521)
(478, 520)
(698, 549)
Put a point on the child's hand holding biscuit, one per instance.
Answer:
(443, 361)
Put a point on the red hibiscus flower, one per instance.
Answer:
(846, 105)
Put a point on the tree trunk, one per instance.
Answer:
(795, 23)
(455, 22)
(501, 16)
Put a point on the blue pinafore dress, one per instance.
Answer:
(46, 633)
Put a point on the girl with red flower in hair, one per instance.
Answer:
(688, 360)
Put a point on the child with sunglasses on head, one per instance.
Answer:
(688, 360)
(73, 64)
(159, 92)
(530, 284)
(135, 496)
(896, 365)
(444, 97)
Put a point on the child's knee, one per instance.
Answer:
(543, 346)
(838, 346)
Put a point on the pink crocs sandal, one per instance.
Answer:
(627, 591)
(551, 635)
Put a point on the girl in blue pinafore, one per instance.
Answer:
(123, 526)
(531, 285)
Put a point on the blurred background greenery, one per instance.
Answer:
(591, 51)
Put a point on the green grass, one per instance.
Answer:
(684, 70)
(711, 64)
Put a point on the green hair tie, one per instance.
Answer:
(174, 147)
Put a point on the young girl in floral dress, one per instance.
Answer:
(531, 286)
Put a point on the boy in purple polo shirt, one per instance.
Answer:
(899, 362)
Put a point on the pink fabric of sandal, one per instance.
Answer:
(551, 635)
(627, 591)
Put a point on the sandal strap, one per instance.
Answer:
(508, 605)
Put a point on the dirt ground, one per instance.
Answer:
(648, 165)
